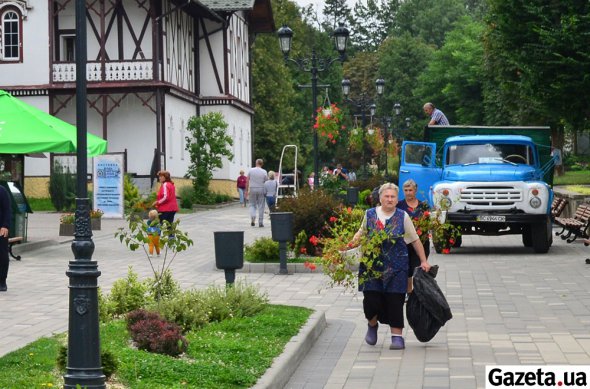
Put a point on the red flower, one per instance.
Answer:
(315, 126)
(349, 210)
(410, 209)
(452, 241)
(323, 133)
(314, 240)
(380, 225)
(334, 141)
(419, 232)
(330, 135)
(312, 266)
(333, 219)
(303, 250)
(446, 251)
(426, 213)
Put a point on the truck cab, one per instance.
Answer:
(489, 184)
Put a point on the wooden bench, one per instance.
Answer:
(11, 242)
(576, 225)
(557, 206)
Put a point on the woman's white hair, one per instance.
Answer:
(410, 184)
(386, 186)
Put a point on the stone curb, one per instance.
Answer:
(283, 367)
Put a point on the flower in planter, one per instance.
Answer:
(96, 214)
(328, 123)
(67, 218)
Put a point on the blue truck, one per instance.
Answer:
(489, 180)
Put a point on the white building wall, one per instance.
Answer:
(209, 86)
(178, 113)
(240, 130)
(34, 69)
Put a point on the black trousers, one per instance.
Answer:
(3, 259)
(388, 307)
(169, 216)
(413, 259)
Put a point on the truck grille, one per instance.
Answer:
(490, 196)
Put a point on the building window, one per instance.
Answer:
(68, 48)
(10, 47)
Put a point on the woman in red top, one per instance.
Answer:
(166, 201)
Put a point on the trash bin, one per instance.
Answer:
(20, 209)
(352, 195)
(229, 252)
(281, 226)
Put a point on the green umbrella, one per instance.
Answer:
(25, 129)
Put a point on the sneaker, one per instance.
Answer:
(261, 225)
(252, 223)
(371, 336)
(397, 343)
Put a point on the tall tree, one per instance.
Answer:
(453, 78)
(372, 20)
(402, 60)
(429, 20)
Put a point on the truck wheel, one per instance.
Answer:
(527, 237)
(541, 236)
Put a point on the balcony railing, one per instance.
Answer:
(114, 71)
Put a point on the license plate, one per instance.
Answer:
(490, 218)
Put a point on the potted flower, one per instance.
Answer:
(328, 123)
(444, 234)
(95, 218)
(66, 224)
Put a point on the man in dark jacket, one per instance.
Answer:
(5, 213)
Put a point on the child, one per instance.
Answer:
(153, 231)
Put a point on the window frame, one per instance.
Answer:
(19, 20)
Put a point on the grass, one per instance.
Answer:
(41, 204)
(229, 354)
(584, 190)
(580, 177)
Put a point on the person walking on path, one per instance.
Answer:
(416, 210)
(5, 216)
(255, 188)
(384, 286)
(166, 200)
(437, 117)
(270, 190)
(241, 185)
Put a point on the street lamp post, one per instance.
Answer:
(84, 367)
(362, 104)
(314, 65)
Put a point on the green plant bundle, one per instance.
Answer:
(262, 250)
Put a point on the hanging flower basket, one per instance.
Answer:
(328, 123)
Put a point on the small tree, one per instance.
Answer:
(207, 146)
(62, 187)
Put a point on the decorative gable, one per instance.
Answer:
(22, 5)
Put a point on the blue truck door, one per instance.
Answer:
(418, 163)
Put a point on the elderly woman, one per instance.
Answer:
(384, 288)
(415, 208)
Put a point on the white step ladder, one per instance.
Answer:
(291, 188)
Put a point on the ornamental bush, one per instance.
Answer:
(152, 333)
(311, 211)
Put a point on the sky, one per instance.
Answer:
(320, 3)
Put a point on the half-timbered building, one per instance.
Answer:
(152, 64)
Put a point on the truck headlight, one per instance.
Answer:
(535, 202)
(445, 203)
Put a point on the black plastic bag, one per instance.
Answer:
(427, 309)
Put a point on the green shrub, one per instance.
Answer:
(62, 188)
(187, 197)
(131, 194)
(241, 300)
(108, 361)
(167, 288)
(311, 211)
(300, 244)
(369, 183)
(128, 294)
(262, 250)
(188, 309)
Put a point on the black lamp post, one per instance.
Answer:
(84, 367)
(363, 104)
(314, 65)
